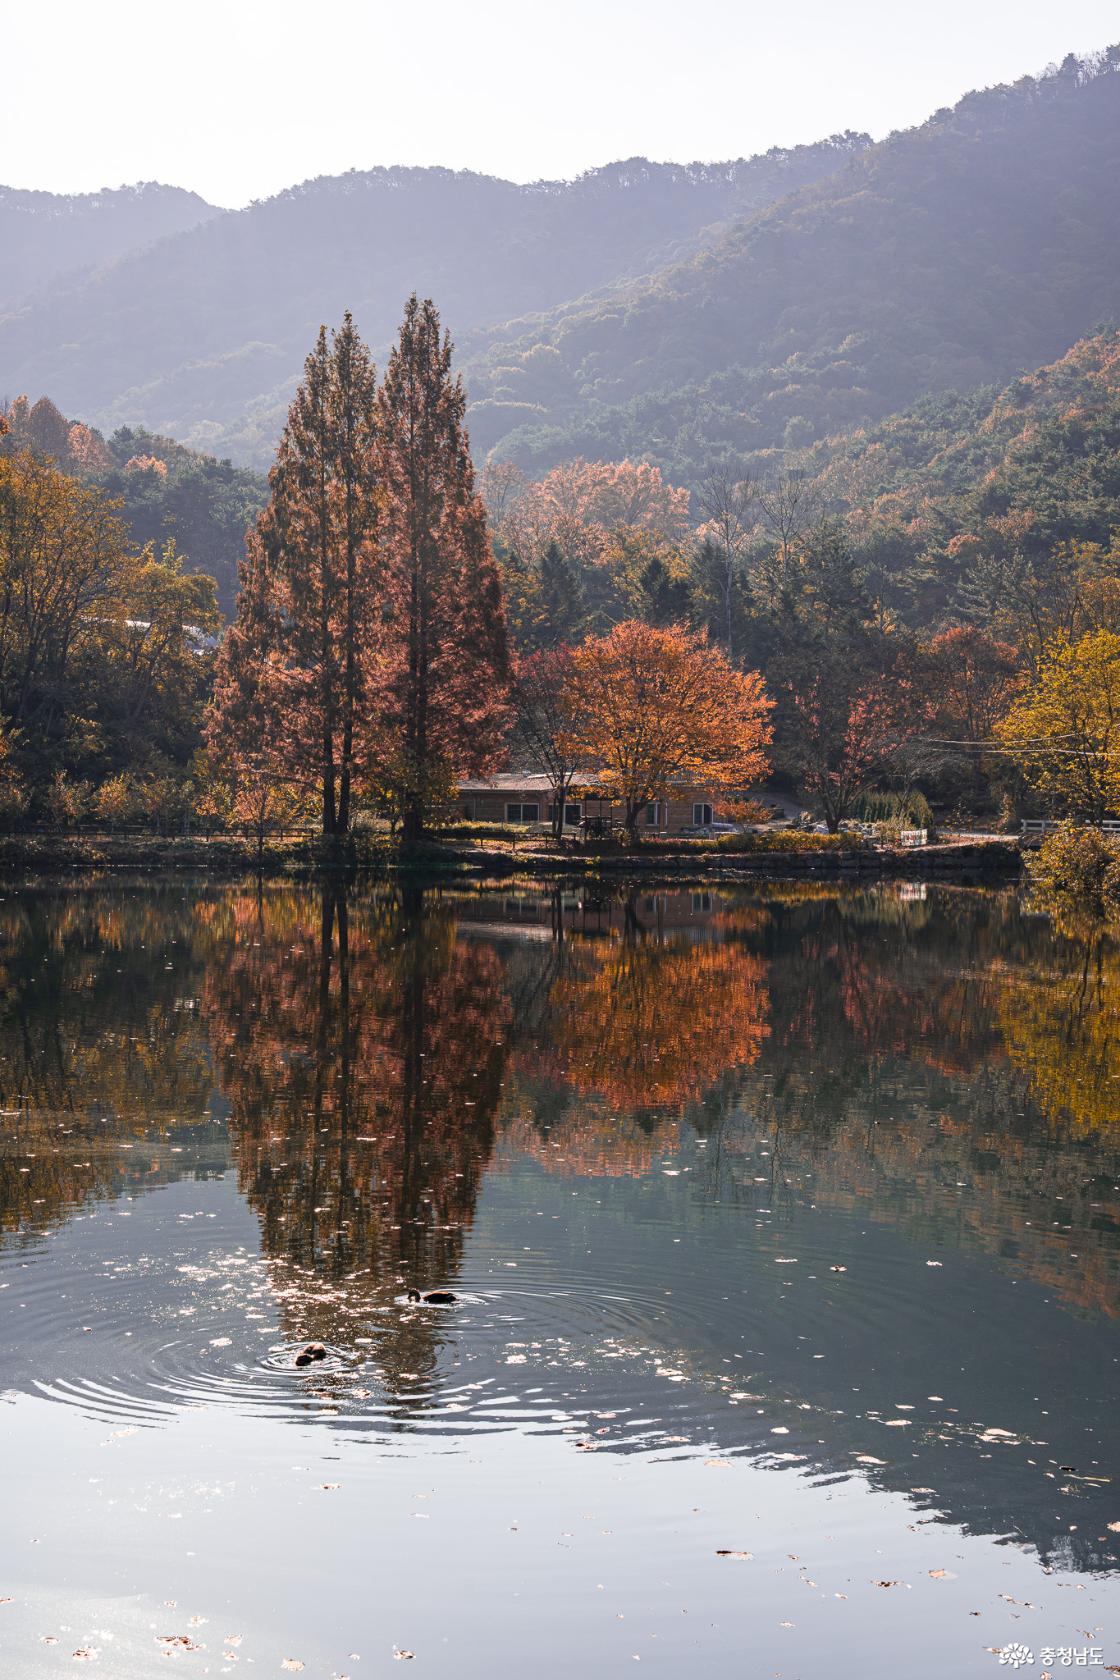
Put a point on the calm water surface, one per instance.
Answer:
(785, 1230)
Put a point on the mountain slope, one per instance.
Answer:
(1049, 436)
(945, 257)
(203, 336)
(962, 502)
(44, 236)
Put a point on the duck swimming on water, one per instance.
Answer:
(434, 1297)
(309, 1354)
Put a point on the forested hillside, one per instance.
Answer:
(201, 337)
(948, 256)
(167, 493)
(1017, 473)
(44, 235)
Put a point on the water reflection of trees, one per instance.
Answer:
(361, 1051)
(102, 1061)
(863, 1051)
(914, 1054)
(1061, 1023)
(638, 1008)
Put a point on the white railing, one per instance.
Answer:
(1043, 825)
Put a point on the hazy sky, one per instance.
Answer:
(238, 98)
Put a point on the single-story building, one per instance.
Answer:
(525, 796)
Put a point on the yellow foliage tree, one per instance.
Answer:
(1064, 732)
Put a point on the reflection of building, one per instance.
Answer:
(525, 796)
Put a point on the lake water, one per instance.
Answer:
(785, 1233)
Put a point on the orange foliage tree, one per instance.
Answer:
(577, 503)
(971, 680)
(661, 710)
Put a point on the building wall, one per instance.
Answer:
(673, 816)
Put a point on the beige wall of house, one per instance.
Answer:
(511, 805)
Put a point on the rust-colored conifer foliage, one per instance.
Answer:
(442, 663)
(292, 693)
(369, 652)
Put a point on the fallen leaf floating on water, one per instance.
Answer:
(85, 1653)
(292, 1664)
(403, 1656)
(722, 1551)
(942, 1575)
(889, 1583)
(838, 1268)
(1114, 1527)
(933, 1262)
(175, 1642)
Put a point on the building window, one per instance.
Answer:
(701, 816)
(653, 814)
(523, 813)
(572, 814)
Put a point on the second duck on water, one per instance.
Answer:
(434, 1297)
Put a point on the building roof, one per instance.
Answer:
(582, 784)
(510, 781)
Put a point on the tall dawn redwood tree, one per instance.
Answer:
(442, 665)
(292, 698)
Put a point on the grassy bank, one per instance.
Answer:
(768, 855)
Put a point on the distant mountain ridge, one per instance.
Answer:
(685, 314)
(946, 257)
(202, 336)
(44, 235)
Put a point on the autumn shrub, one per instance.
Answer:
(13, 787)
(787, 840)
(903, 810)
(1077, 869)
(66, 800)
(467, 829)
(745, 811)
